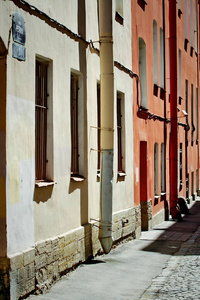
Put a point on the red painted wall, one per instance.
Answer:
(157, 131)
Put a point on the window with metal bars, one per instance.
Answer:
(119, 132)
(74, 125)
(41, 120)
(98, 126)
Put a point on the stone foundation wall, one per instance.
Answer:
(36, 269)
(138, 223)
(146, 214)
(4, 278)
(158, 218)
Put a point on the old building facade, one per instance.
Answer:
(166, 114)
(50, 129)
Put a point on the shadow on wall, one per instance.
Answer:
(43, 194)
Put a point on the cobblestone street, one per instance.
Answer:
(180, 278)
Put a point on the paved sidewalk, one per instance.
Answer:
(163, 264)
(180, 279)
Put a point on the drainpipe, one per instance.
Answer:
(107, 123)
(173, 110)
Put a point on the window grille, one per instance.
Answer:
(119, 133)
(98, 125)
(74, 125)
(41, 120)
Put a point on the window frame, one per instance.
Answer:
(120, 134)
(74, 124)
(155, 52)
(156, 169)
(77, 127)
(143, 73)
(98, 127)
(46, 156)
(162, 76)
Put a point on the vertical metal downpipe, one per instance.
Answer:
(107, 123)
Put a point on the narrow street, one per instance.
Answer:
(162, 264)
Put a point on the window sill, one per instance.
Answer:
(121, 174)
(142, 113)
(156, 197)
(43, 183)
(163, 196)
(77, 177)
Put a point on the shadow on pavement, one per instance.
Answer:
(173, 237)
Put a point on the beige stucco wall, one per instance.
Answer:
(35, 214)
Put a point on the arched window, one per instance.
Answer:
(142, 67)
(155, 53)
